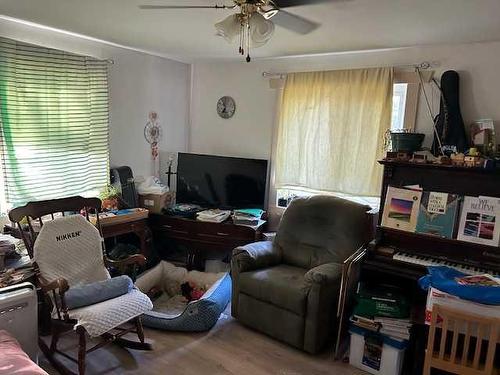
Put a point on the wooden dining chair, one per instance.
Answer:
(30, 220)
(461, 343)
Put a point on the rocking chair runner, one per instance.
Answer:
(56, 275)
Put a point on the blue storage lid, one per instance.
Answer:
(391, 341)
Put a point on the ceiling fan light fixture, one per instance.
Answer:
(261, 30)
(252, 25)
(252, 30)
(229, 28)
(268, 14)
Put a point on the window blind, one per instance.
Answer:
(54, 114)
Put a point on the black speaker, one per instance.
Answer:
(123, 179)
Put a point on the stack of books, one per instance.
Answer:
(383, 309)
(398, 329)
(247, 216)
(213, 216)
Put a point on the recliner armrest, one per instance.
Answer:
(254, 256)
(325, 274)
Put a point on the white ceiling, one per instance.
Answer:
(347, 25)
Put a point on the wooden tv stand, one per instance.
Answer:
(197, 237)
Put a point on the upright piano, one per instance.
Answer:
(407, 254)
(401, 258)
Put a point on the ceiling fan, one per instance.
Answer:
(254, 21)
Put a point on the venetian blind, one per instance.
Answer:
(54, 123)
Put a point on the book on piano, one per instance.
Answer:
(438, 213)
(479, 220)
(401, 208)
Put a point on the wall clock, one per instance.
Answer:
(226, 107)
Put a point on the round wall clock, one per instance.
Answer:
(226, 107)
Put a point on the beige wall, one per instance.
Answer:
(249, 132)
(138, 83)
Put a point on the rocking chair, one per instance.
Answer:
(79, 261)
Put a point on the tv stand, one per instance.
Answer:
(196, 239)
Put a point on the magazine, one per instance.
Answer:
(438, 213)
(479, 220)
(401, 208)
(478, 280)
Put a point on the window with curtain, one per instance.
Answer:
(331, 129)
(54, 123)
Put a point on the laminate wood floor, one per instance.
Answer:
(229, 348)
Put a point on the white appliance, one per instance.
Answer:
(19, 316)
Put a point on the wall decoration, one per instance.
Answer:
(226, 107)
(152, 134)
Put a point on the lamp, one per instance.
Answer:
(252, 29)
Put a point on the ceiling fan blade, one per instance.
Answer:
(185, 7)
(294, 23)
(296, 3)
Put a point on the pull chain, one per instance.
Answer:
(248, 42)
(240, 51)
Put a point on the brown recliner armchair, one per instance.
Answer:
(289, 288)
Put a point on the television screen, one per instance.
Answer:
(221, 182)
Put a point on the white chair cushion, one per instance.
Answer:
(104, 316)
(70, 247)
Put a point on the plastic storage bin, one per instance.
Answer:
(376, 353)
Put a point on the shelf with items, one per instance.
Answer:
(442, 178)
(444, 167)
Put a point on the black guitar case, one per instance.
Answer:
(449, 122)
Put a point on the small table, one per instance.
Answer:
(139, 227)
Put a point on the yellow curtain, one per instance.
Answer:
(331, 129)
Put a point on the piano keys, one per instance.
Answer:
(413, 265)
(426, 261)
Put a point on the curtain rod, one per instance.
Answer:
(421, 66)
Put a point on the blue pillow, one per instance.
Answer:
(100, 291)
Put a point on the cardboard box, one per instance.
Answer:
(156, 202)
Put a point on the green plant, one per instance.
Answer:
(109, 192)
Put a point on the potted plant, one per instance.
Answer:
(406, 141)
(109, 197)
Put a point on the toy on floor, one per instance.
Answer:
(191, 292)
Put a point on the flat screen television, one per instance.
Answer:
(221, 182)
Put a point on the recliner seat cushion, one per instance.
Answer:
(282, 286)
